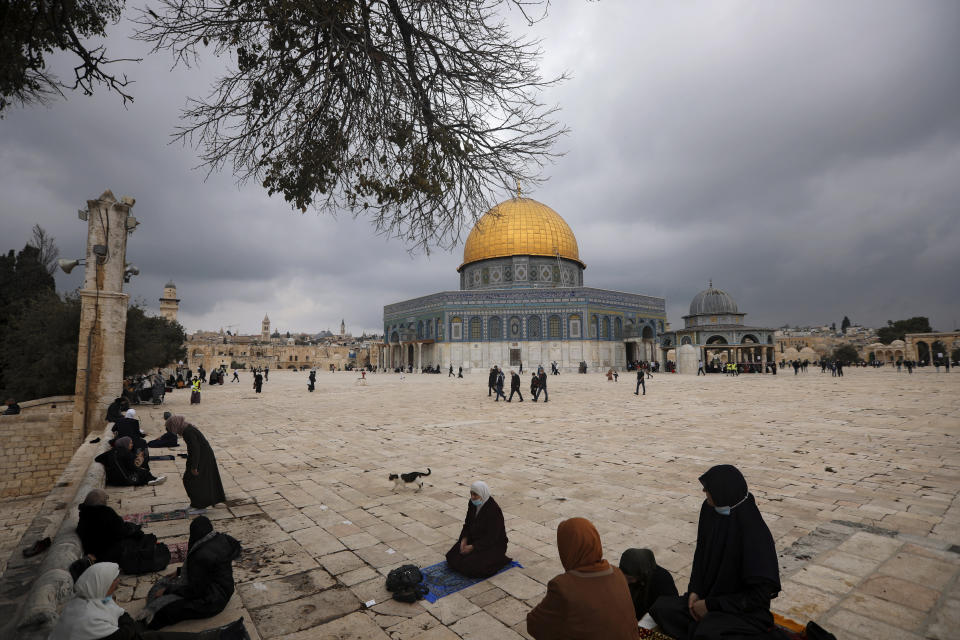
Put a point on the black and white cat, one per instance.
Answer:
(402, 479)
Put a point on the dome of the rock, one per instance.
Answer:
(520, 227)
(712, 302)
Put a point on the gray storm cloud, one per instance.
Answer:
(804, 155)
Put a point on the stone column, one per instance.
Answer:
(103, 312)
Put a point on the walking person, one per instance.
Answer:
(491, 381)
(236, 378)
(641, 382)
(514, 385)
(543, 384)
(498, 386)
(534, 386)
(312, 380)
(201, 478)
(266, 374)
(257, 381)
(700, 370)
(460, 372)
(450, 374)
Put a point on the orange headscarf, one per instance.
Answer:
(579, 545)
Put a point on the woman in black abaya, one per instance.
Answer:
(735, 572)
(201, 479)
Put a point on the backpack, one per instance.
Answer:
(404, 583)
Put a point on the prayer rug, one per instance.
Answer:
(148, 517)
(178, 551)
(152, 458)
(442, 581)
(790, 629)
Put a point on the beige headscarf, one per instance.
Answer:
(176, 424)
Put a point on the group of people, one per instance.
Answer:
(127, 461)
(200, 588)
(496, 380)
(734, 577)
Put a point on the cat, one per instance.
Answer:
(402, 479)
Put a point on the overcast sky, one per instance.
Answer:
(804, 155)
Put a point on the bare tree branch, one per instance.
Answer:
(47, 246)
(418, 115)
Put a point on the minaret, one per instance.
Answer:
(343, 328)
(265, 328)
(169, 303)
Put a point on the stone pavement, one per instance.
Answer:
(857, 478)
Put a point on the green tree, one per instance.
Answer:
(151, 342)
(845, 324)
(897, 330)
(34, 29)
(38, 350)
(416, 114)
(846, 353)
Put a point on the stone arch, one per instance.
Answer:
(716, 340)
(686, 340)
(647, 333)
(749, 339)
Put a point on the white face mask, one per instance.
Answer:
(725, 511)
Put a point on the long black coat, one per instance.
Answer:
(204, 489)
(488, 535)
(210, 575)
(120, 468)
(102, 530)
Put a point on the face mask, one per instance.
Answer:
(725, 511)
(107, 600)
(476, 503)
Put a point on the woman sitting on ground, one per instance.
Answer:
(105, 537)
(93, 615)
(735, 572)
(646, 579)
(591, 600)
(201, 479)
(124, 468)
(481, 550)
(202, 587)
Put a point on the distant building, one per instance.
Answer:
(169, 303)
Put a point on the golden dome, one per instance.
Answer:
(520, 227)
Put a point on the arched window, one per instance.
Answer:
(476, 329)
(533, 328)
(516, 328)
(575, 325)
(605, 328)
(420, 330)
(456, 328)
(429, 327)
(593, 325)
(553, 327)
(618, 328)
(493, 328)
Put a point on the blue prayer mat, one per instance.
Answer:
(442, 580)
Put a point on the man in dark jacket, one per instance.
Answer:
(116, 409)
(534, 385)
(204, 584)
(514, 385)
(491, 381)
(498, 386)
(543, 385)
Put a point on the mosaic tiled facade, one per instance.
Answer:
(528, 306)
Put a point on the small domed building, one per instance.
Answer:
(716, 334)
(522, 299)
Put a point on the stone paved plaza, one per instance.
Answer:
(857, 478)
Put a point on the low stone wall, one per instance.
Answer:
(36, 446)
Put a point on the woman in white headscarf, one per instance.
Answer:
(93, 615)
(481, 550)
